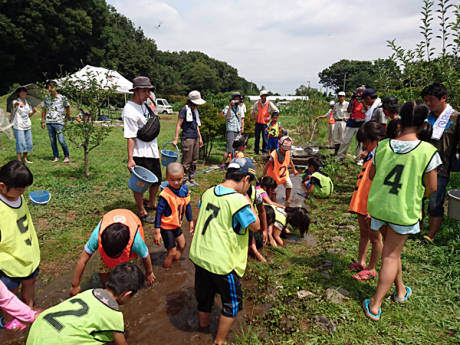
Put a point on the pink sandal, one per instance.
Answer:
(15, 325)
(356, 266)
(364, 275)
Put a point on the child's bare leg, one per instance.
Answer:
(28, 291)
(18, 156)
(305, 184)
(104, 277)
(180, 246)
(204, 319)
(276, 236)
(391, 259)
(172, 252)
(225, 323)
(273, 197)
(376, 251)
(7, 318)
(270, 237)
(400, 287)
(253, 249)
(364, 229)
(288, 196)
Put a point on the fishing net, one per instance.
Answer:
(6, 127)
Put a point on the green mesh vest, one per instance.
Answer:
(216, 246)
(325, 188)
(81, 320)
(398, 187)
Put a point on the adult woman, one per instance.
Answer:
(191, 141)
(22, 124)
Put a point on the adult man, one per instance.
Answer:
(355, 121)
(373, 105)
(340, 115)
(445, 137)
(135, 115)
(56, 111)
(234, 123)
(390, 108)
(264, 109)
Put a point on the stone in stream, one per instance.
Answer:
(304, 293)
(324, 323)
(337, 239)
(325, 264)
(337, 251)
(325, 274)
(346, 228)
(336, 295)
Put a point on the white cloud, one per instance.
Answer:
(279, 44)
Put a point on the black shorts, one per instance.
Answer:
(169, 237)
(228, 286)
(152, 164)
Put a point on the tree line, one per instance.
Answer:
(46, 38)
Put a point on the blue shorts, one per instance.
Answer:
(272, 143)
(14, 283)
(436, 200)
(169, 237)
(376, 224)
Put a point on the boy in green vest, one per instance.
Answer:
(320, 184)
(219, 247)
(91, 317)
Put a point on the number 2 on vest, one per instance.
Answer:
(395, 185)
(283, 171)
(51, 318)
(215, 212)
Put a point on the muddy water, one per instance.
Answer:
(164, 313)
(297, 186)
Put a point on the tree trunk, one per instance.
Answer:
(86, 162)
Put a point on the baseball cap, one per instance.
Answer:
(142, 83)
(195, 97)
(331, 103)
(236, 94)
(341, 93)
(239, 142)
(264, 92)
(286, 143)
(368, 93)
(243, 165)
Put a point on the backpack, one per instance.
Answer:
(151, 129)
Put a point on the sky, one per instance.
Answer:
(278, 44)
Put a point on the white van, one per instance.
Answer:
(163, 106)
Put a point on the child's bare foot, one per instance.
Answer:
(288, 203)
(166, 268)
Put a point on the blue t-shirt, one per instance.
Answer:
(163, 207)
(138, 247)
(245, 216)
(189, 129)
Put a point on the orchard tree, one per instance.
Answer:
(353, 73)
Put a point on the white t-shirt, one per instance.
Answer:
(14, 204)
(133, 120)
(21, 120)
(55, 109)
(243, 110)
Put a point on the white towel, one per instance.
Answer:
(441, 122)
(371, 110)
(189, 117)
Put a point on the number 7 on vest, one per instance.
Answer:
(215, 212)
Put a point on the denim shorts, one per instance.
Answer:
(23, 141)
(436, 200)
(376, 224)
(13, 283)
(272, 143)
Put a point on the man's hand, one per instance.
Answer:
(43, 125)
(157, 237)
(242, 130)
(149, 278)
(266, 119)
(74, 290)
(174, 143)
(131, 164)
(201, 142)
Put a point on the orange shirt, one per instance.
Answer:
(237, 155)
(262, 112)
(178, 206)
(331, 118)
(279, 171)
(358, 202)
(356, 112)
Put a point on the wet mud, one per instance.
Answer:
(165, 313)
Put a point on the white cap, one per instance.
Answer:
(263, 92)
(331, 103)
(341, 93)
(195, 97)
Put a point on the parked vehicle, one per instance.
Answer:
(163, 107)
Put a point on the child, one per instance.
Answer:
(331, 124)
(402, 173)
(369, 135)
(12, 305)
(238, 148)
(92, 317)
(119, 238)
(266, 187)
(275, 131)
(254, 238)
(278, 167)
(278, 219)
(320, 184)
(219, 248)
(19, 250)
(173, 203)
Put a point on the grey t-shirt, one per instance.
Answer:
(379, 116)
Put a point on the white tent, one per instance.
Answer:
(105, 78)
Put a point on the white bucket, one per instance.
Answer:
(453, 210)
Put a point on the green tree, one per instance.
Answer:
(212, 128)
(355, 72)
(199, 76)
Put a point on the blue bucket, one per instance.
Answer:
(41, 197)
(168, 156)
(141, 179)
(163, 185)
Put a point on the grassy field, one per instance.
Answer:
(430, 316)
